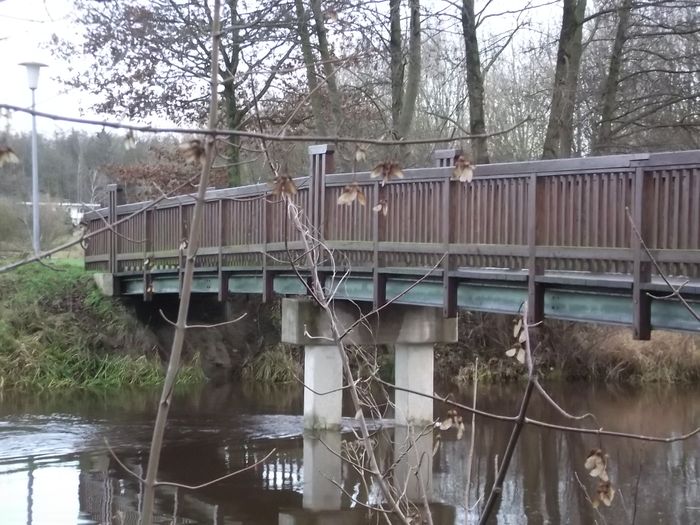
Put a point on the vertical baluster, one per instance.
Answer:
(641, 302)
(537, 211)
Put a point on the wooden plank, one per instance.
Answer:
(449, 284)
(536, 213)
(641, 302)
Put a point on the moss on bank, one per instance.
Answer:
(57, 331)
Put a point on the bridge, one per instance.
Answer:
(556, 233)
(589, 239)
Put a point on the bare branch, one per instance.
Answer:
(226, 476)
(256, 135)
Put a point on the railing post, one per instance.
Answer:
(641, 270)
(378, 227)
(445, 158)
(182, 246)
(321, 162)
(267, 275)
(223, 276)
(148, 259)
(535, 266)
(115, 194)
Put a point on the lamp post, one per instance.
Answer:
(33, 69)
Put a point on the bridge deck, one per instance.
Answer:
(556, 233)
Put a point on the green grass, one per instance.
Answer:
(276, 365)
(58, 332)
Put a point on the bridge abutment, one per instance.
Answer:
(411, 330)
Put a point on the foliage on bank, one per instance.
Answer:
(277, 364)
(57, 332)
(569, 351)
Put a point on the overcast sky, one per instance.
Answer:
(26, 27)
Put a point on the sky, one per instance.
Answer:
(26, 28)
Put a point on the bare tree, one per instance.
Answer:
(404, 85)
(559, 136)
(475, 83)
(153, 59)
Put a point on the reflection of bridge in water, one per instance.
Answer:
(293, 486)
(42, 489)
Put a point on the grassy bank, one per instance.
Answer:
(57, 331)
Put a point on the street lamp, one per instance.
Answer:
(33, 69)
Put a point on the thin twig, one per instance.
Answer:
(226, 476)
(183, 309)
(544, 424)
(559, 409)
(216, 325)
(121, 464)
(659, 270)
(520, 421)
(472, 442)
(272, 137)
(378, 309)
(588, 498)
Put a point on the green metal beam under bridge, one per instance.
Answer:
(567, 297)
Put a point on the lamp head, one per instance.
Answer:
(33, 69)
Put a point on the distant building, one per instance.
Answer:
(75, 210)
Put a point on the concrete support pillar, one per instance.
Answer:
(413, 330)
(413, 369)
(323, 375)
(413, 454)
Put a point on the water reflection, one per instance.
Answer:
(54, 467)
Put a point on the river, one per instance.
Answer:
(55, 467)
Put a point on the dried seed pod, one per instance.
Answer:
(605, 493)
(193, 150)
(387, 171)
(452, 420)
(517, 327)
(463, 170)
(518, 353)
(8, 156)
(381, 207)
(350, 193)
(596, 463)
(284, 185)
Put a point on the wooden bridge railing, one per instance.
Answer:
(558, 215)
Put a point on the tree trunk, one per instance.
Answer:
(601, 143)
(181, 324)
(410, 95)
(397, 65)
(559, 137)
(309, 61)
(234, 116)
(475, 84)
(328, 66)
